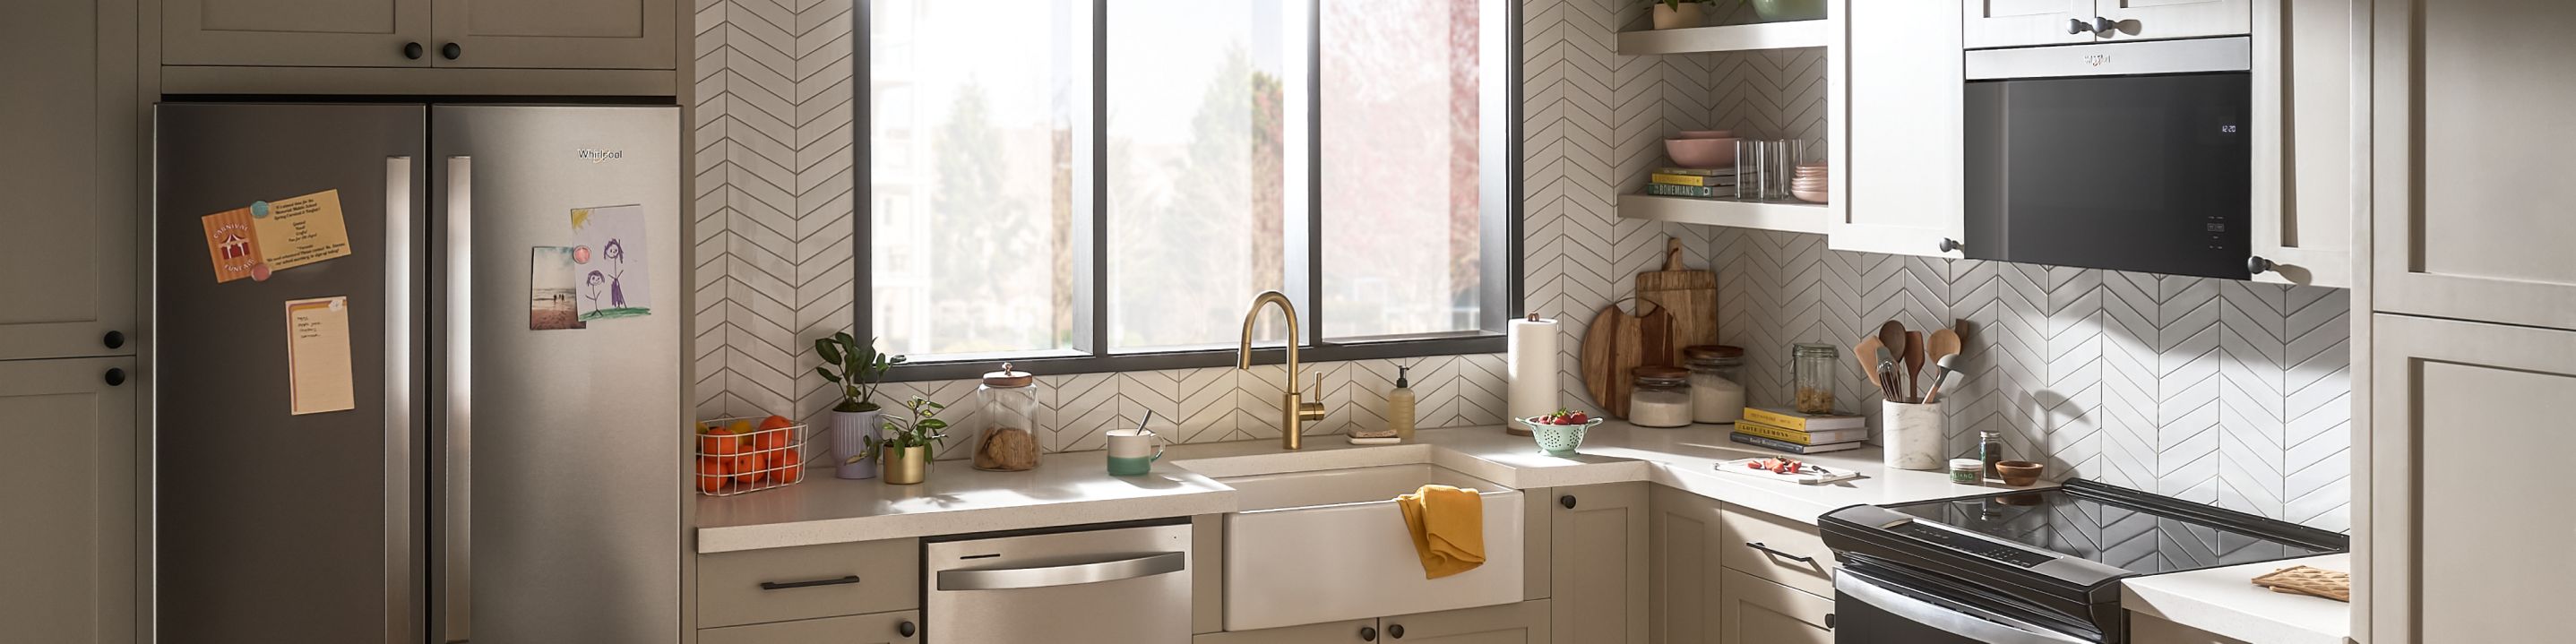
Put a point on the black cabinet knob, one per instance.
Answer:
(451, 51)
(2104, 27)
(2077, 26)
(411, 50)
(1395, 631)
(1368, 633)
(115, 377)
(1951, 245)
(113, 339)
(1567, 501)
(2258, 265)
(906, 629)
(1829, 621)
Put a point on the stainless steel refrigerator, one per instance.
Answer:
(490, 482)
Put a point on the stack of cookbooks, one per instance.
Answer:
(1692, 182)
(1796, 433)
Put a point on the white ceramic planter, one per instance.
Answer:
(1910, 435)
(1667, 17)
(851, 434)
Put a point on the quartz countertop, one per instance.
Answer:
(1074, 488)
(2225, 601)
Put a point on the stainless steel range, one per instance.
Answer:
(2038, 566)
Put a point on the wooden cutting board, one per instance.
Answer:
(1688, 296)
(1617, 342)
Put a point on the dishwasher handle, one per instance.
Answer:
(1066, 575)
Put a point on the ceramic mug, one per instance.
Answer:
(1132, 451)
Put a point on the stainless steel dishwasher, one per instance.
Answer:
(1126, 585)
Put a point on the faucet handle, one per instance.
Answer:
(1319, 385)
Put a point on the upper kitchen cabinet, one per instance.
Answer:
(569, 34)
(497, 34)
(317, 33)
(67, 283)
(2021, 23)
(2304, 183)
(2468, 136)
(1898, 115)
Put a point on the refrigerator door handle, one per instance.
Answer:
(459, 568)
(398, 410)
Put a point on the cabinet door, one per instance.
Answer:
(881, 628)
(307, 33)
(1760, 612)
(1898, 110)
(1598, 561)
(2305, 180)
(1355, 631)
(2144, 19)
(1522, 623)
(557, 34)
(1683, 540)
(67, 525)
(67, 124)
(2465, 427)
(2016, 23)
(2468, 133)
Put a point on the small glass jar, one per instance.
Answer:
(1717, 394)
(1811, 377)
(1966, 471)
(1990, 449)
(1008, 404)
(1660, 397)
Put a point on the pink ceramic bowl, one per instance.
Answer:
(1809, 196)
(1701, 153)
(1705, 134)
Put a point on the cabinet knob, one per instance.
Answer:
(1829, 621)
(1395, 631)
(906, 629)
(2104, 27)
(2257, 265)
(115, 377)
(1951, 245)
(113, 339)
(411, 50)
(1368, 633)
(1567, 501)
(451, 51)
(2077, 26)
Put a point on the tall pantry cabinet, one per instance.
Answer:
(2470, 336)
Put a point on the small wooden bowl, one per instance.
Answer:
(2018, 473)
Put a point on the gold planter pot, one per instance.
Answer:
(906, 465)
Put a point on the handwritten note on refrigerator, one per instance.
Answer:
(317, 356)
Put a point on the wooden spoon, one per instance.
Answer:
(1945, 342)
(1891, 337)
(1867, 354)
(1913, 364)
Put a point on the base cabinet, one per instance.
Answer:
(1521, 623)
(901, 627)
(1597, 562)
(1685, 540)
(67, 527)
(1758, 611)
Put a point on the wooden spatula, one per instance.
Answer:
(1866, 353)
(1913, 364)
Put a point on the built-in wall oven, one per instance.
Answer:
(2131, 156)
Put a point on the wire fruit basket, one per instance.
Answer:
(739, 456)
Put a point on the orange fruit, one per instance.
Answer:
(769, 439)
(776, 422)
(746, 468)
(711, 474)
(790, 465)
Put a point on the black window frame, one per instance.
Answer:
(1487, 339)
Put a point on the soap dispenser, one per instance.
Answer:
(1399, 407)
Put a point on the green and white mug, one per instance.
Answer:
(1132, 451)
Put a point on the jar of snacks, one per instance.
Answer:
(1008, 404)
(1811, 377)
(1661, 397)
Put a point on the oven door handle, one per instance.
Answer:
(1977, 625)
(1067, 575)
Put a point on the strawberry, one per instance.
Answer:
(1577, 418)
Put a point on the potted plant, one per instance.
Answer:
(1677, 14)
(906, 449)
(859, 370)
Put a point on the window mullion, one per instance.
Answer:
(1093, 284)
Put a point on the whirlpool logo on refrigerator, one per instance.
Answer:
(595, 155)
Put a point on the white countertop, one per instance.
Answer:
(1074, 487)
(2225, 601)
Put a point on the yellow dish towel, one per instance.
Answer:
(1448, 526)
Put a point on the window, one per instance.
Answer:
(1105, 184)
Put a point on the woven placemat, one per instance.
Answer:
(2304, 580)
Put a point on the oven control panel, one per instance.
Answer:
(1970, 544)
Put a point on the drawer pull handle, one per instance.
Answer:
(784, 585)
(1757, 545)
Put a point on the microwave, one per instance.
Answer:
(2128, 156)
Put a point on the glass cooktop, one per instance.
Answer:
(2146, 537)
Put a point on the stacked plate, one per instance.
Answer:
(1808, 182)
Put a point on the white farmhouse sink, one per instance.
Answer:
(1330, 545)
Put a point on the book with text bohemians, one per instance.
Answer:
(1791, 419)
(1690, 180)
(1668, 190)
(1789, 447)
(1823, 437)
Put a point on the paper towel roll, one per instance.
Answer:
(1531, 367)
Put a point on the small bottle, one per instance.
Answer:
(1399, 407)
(1990, 448)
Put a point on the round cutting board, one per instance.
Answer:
(1617, 342)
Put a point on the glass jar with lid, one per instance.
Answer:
(1660, 397)
(1717, 394)
(1008, 404)
(1811, 376)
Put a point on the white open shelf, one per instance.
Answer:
(1786, 216)
(1767, 35)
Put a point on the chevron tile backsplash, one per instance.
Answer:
(2221, 391)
